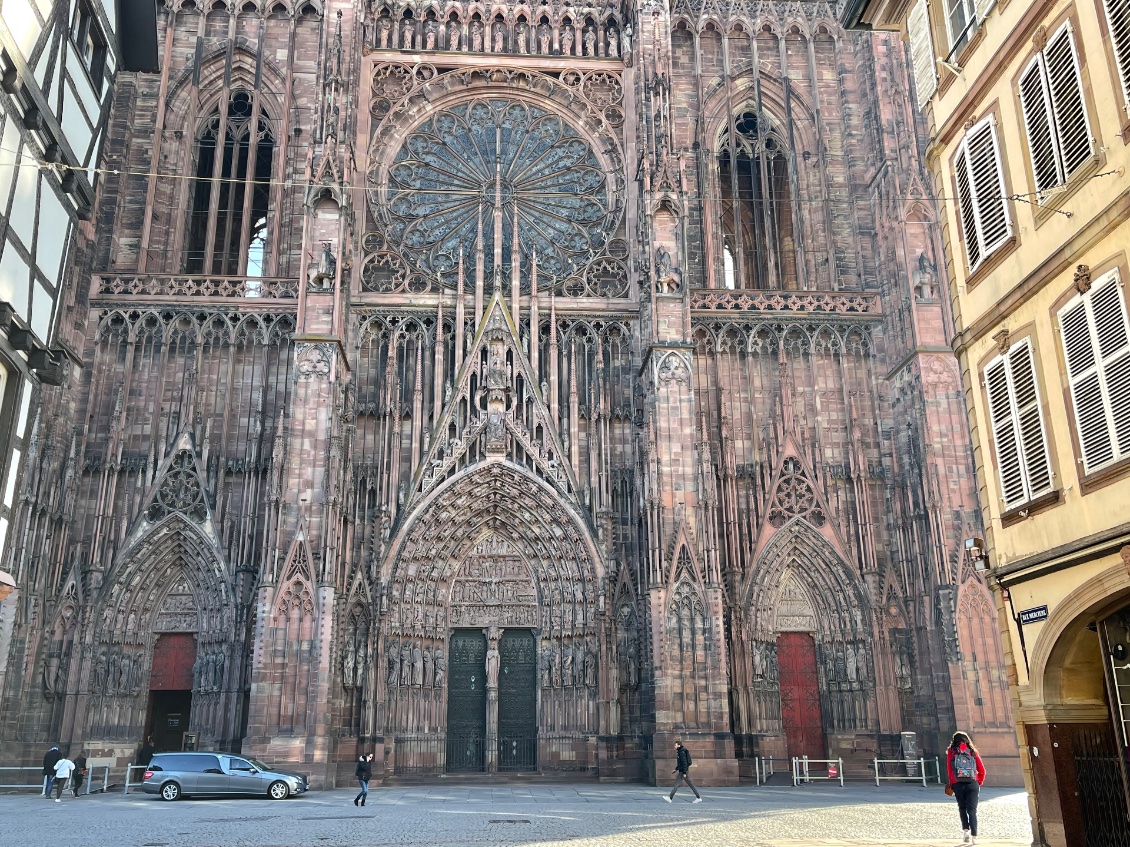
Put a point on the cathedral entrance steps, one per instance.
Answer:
(491, 779)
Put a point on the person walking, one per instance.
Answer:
(364, 773)
(682, 765)
(966, 776)
(49, 759)
(79, 776)
(63, 770)
(145, 754)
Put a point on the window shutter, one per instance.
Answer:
(1033, 442)
(1037, 122)
(984, 7)
(1018, 427)
(1096, 344)
(981, 193)
(1118, 20)
(968, 212)
(922, 53)
(1062, 63)
(1004, 434)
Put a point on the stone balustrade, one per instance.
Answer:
(118, 286)
(853, 303)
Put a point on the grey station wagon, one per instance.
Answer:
(176, 775)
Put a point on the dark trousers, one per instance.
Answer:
(60, 784)
(966, 795)
(76, 783)
(364, 791)
(679, 780)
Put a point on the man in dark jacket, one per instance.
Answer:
(50, 759)
(364, 773)
(145, 755)
(79, 775)
(682, 765)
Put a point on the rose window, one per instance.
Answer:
(464, 164)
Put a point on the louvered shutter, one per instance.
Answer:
(1005, 434)
(1037, 122)
(1066, 87)
(1096, 344)
(981, 193)
(968, 212)
(1018, 427)
(1029, 416)
(922, 53)
(1118, 21)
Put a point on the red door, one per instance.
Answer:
(173, 658)
(800, 695)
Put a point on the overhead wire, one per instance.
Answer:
(1030, 197)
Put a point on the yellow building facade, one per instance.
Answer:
(1029, 112)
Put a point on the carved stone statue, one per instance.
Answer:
(348, 663)
(613, 43)
(567, 41)
(219, 681)
(408, 34)
(417, 665)
(633, 666)
(393, 663)
(453, 35)
(522, 38)
(493, 658)
(567, 667)
(668, 278)
(405, 664)
(441, 670)
(384, 31)
(590, 41)
(626, 44)
(555, 667)
(430, 30)
(850, 663)
(544, 41)
(323, 276)
(477, 37)
(499, 38)
(427, 668)
(590, 669)
(99, 685)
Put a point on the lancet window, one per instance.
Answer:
(227, 224)
(756, 204)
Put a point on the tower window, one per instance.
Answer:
(753, 175)
(227, 228)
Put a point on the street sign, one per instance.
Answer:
(1034, 615)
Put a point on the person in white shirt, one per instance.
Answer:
(63, 769)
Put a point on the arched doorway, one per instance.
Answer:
(493, 630)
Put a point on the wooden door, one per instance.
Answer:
(800, 695)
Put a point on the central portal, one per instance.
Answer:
(467, 702)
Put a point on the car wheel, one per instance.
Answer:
(170, 791)
(278, 790)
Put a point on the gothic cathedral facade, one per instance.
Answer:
(506, 387)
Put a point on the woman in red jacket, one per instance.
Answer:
(966, 776)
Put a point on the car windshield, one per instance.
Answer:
(260, 765)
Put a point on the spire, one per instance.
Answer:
(515, 272)
(437, 369)
(480, 259)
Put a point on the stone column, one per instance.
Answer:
(493, 661)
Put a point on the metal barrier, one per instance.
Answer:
(763, 768)
(908, 765)
(38, 771)
(130, 769)
(801, 771)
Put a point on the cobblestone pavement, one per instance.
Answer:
(514, 815)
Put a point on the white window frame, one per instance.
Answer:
(1098, 367)
(1015, 421)
(984, 250)
(1051, 110)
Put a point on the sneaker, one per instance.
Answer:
(665, 797)
(973, 839)
(697, 800)
(965, 836)
(58, 800)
